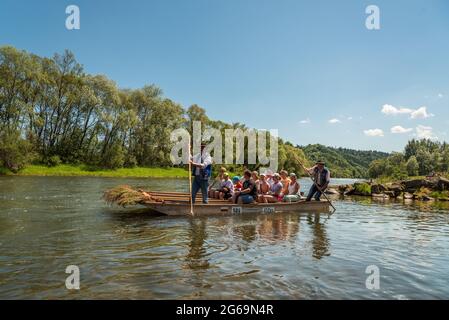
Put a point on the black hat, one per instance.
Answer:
(320, 162)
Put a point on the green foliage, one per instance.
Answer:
(53, 109)
(342, 162)
(362, 188)
(440, 195)
(432, 156)
(53, 161)
(412, 166)
(15, 152)
(420, 157)
(4, 171)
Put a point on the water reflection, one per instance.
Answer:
(196, 257)
(320, 241)
(49, 223)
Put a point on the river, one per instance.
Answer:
(49, 223)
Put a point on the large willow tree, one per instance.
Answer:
(52, 111)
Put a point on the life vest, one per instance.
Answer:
(320, 176)
(205, 173)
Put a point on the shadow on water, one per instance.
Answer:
(320, 241)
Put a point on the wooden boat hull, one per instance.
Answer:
(221, 209)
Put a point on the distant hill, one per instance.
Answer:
(343, 163)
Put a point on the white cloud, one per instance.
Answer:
(374, 132)
(334, 120)
(305, 121)
(421, 113)
(388, 109)
(424, 132)
(350, 118)
(440, 95)
(399, 129)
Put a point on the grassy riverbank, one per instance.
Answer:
(83, 170)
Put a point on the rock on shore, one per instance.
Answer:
(416, 189)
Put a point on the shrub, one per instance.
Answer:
(114, 158)
(53, 161)
(15, 152)
(362, 188)
(131, 162)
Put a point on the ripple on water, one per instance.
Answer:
(132, 254)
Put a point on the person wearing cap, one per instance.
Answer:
(293, 194)
(237, 183)
(201, 171)
(321, 176)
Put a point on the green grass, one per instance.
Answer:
(440, 195)
(83, 170)
(363, 188)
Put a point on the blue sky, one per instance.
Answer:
(308, 68)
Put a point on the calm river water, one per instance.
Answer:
(48, 223)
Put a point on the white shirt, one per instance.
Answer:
(292, 187)
(205, 160)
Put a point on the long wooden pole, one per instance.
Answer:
(314, 182)
(190, 185)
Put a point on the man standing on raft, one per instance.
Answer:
(321, 176)
(201, 171)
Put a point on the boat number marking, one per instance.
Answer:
(236, 210)
(268, 210)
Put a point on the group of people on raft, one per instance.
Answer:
(252, 187)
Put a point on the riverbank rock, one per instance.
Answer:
(427, 198)
(443, 184)
(331, 190)
(344, 189)
(378, 188)
(414, 185)
(380, 196)
(408, 196)
(394, 189)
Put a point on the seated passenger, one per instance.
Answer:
(294, 194)
(264, 188)
(226, 189)
(255, 177)
(237, 183)
(269, 177)
(275, 193)
(285, 180)
(216, 183)
(249, 192)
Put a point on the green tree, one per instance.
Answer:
(412, 166)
